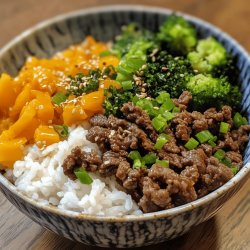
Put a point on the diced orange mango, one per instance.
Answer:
(93, 101)
(108, 60)
(11, 151)
(26, 118)
(73, 114)
(21, 100)
(26, 108)
(45, 136)
(7, 93)
(45, 109)
(29, 133)
(105, 84)
(5, 124)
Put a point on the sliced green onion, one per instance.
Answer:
(137, 163)
(127, 85)
(133, 155)
(159, 123)
(211, 143)
(168, 115)
(153, 112)
(168, 104)
(239, 120)
(244, 121)
(135, 99)
(226, 161)
(59, 98)
(234, 169)
(105, 53)
(83, 176)
(163, 163)
(62, 130)
(134, 63)
(145, 104)
(220, 154)
(214, 139)
(161, 141)
(204, 136)
(191, 144)
(176, 110)
(162, 97)
(149, 158)
(224, 127)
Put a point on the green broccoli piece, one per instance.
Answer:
(209, 54)
(207, 90)
(177, 35)
(166, 73)
(130, 34)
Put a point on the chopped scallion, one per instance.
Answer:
(239, 120)
(176, 110)
(220, 154)
(244, 121)
(168, 104)
(234, 169)
(127, 85)
(226, 161)
(159, 123)
(59, 98)
(135, 99)
(137, 163)
(163, 163)
(161, 141)
(83, 176)
(211, 143)
(204, 136)
(149, 158)
(168, 115)
(62, 130)
(191, 144)
(105, 53)
(133, 155)
(162, 97)
(224, 127)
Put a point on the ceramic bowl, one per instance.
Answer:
(104, 24)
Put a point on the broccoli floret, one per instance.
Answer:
(130, 34)
(218, 91)
(166, 73)
(177, 35)
(208, 55)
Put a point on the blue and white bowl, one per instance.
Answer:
(104, 24)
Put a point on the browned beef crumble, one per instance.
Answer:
(191, 173)
(78, 158)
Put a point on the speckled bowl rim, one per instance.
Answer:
(128, 218)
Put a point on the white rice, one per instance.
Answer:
(40, 176)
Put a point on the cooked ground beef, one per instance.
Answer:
(78, 158)
(191, 173)
(140, 117)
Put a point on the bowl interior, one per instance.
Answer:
(104, 24)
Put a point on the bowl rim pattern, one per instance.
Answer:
(128, 218)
